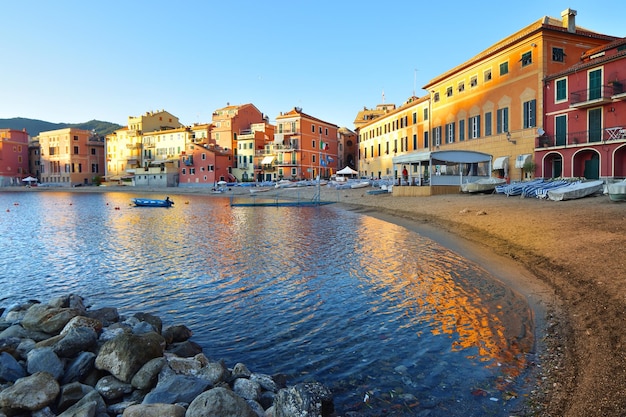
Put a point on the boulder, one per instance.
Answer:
(247, 389)
(176, 389)
(32, 392)
(44, 360)
(147, 375)
(155, 321)
(154, 410)
(79, 367)
(186, 349)
(214, 372)
(125, 354)
(111, 388)
(10, 369)
(305, 399)
(106, 315)
(47, 319)
(82, 321)
(76, 340)
(176, 334)
(265, 381)
(220, 402)
(91, 404)
(72, 393)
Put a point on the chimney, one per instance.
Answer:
(569, 20)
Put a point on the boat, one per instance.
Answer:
(259, 190)
(575, 190)
(361, 184)
(617, 191)
(152, 202)
(483, 185)
(285, 184)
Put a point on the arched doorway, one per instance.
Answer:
(619, 162)
(587, 164)
(553, 165)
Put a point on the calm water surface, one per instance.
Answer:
(393, 323)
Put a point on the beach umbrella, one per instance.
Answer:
(29, 179)
(222, 182)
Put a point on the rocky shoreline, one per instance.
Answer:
(61, 358)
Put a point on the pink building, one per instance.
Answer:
(204, 165)
(13, 157)
(585, 117)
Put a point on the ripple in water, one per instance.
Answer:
(366, 307)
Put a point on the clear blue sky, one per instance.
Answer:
(74, 61)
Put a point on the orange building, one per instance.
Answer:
(71, 157)
(233, 120)
(304, 146)
(493, 103)
(13, 156)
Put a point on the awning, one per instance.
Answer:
(267, 160)
(462, 157)
(501, 163)
(521, 160)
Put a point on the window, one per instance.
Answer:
(436, 97)
(203, 156)
(414, 118)
(488, 124)
(461, 86)
(529, 114)
(450, 133)
(93, 151)
(487, 75)
(210, 168)
(313, 144)
(326, 131)
(595, 84)
(527, 59)
(414, 141)
(461, 130)
(426, 139)
(312, 128)
(561, 90)
(425, 114)
(502, 120)
(437, 135)
(504, 68)
(449, 92)
(558, 55)
(75, 137)
(473, 131)
(320, 130)
(474, 81)
(94, 168)
(75, 150)
(560, 130)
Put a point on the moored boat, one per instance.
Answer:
(483, 185)
(617, 191)
(575, 190)
(152, 202)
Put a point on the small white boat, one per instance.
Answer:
(361, 184)
(483, 185)
(617, 191)
(255, 190)
(286, 184)
(575, 190)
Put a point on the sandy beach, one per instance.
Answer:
(567, 259)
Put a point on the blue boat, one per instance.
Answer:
(151, 202)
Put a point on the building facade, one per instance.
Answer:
(585, 119)
(14, 157)
(71, 157)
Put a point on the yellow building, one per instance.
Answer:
(70, 157)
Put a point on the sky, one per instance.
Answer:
(75, 61)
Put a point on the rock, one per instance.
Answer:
(152, 319)
(111, 388)
(82, 321)
(30, 393)
(247, 389)
(125, 354)
(147, 375)
(76, 340)
(184, 366)
(107, 315)
(44, 360)
(10, 369)
(241, 371)
(72, 393)
(154, 410)
(80, 367)
(176, 389)
(91, 404)
(25, 346)
(176, 334)
(219, 402)
(47, 319)
(265, 381)
(305, 399)
(214, 372)
(9, 345)
(186, 349)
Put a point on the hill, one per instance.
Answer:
(34, 126)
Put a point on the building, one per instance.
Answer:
(347, 149)
(71, 157)
(585, 119)
(204, 165)
(303, 148)
(14, 156)
(493, 103)
(249, 144)
(124, 147)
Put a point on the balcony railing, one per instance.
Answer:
(595, 95)
(586, 137)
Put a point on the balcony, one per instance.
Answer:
(133, 146)
(587, 137)
(596, 96)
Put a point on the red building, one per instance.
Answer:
(13, 157)
(204, 165)
(585, 117)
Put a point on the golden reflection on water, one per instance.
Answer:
(454, 297)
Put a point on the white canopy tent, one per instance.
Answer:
(347, 171)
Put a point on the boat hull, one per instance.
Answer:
(150, 202)
(617, 191)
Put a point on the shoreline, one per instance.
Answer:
(565, 258)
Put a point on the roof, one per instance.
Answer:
(588, 60)
(297, 112)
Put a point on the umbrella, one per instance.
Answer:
(29, 179)
(222, 182)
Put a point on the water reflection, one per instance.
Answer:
(361, 305)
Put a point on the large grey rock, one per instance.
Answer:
(125, 354)
(214, 372)
(72, 393)
(30, 393)
(111, 388)
(265, 381)
(47, 319)
(302, 400)
(90, 405)
(147, 375)
(10, 369)
(219, 402)
(44, 360)
(82, 321)
(241, 371)
(247, 389)
(186, 349)
(76, 340)
(154, 410)
(176, 389)
(79, 367)
(106, 315)
(177, 333)
(154, 321)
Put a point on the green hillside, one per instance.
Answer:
(34, 126)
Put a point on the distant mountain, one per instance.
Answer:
(34, 126)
